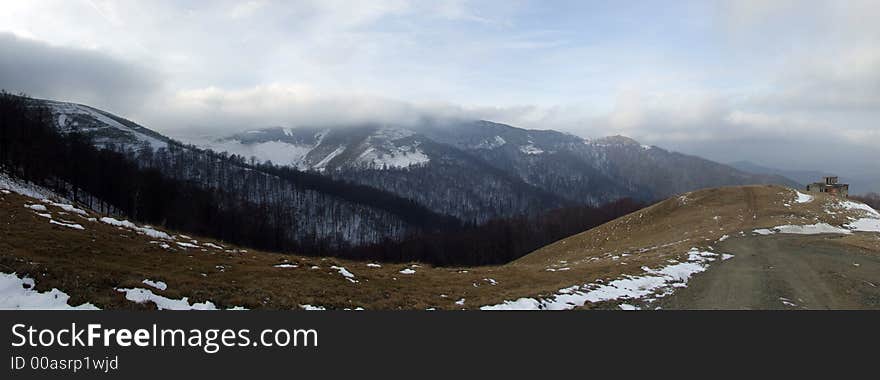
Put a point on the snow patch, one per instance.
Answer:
(68, 225)
(27, 189)
(407, 271)
(811, 229)
(156, 284)
(345, 273)
(323, 163)
(140, 295)
(20, 293)
(396, 157)
(37, 207)
(145, 230)
(65, 207)
(531, 149)
(803, 198)
(657, 282)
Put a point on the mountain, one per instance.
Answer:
(474, 171)
(858, 183)
(478, 170)
(103, 128)
(114, 166)
(802, 177)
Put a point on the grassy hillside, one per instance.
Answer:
(90, 263)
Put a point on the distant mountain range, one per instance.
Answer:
(858, 184)
(477, 170)
(472, 170)
(802, 177)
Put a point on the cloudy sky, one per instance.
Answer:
(792, 84)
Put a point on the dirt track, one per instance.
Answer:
(785, 272)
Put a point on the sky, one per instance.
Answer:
(783, 83)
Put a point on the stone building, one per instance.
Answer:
(830, 186)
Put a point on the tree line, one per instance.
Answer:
(496, 242)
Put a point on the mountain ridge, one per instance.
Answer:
(472, 170)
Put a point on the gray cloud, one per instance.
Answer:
(784, 83)
(78, 75)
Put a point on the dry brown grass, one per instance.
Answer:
(89, 264)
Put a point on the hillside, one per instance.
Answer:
(115, 166)
(631, 260)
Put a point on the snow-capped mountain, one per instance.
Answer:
(479, 169)
(366, 147)
(103, 127)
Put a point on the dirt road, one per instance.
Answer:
(785, 272)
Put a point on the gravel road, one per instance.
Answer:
(785, 272)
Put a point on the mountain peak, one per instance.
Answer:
(617, 140)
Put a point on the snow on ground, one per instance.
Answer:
(37, 207)
(345, 273)
(156, 284)
(145, 230)
(373, 265)
(803, 198)
(531, 149)
(19, 293)
(870, 222)
(68, 225)
(285, 266)
(399, 157)
(864, 225)
(26, 188)
(281, 153)
(655, 282)
(321, 165)
(407, 271)
(141, 295)
(62, 108)
(312, 308)
(850, 205)
(491, 144)
(811, 229)
(65, 207)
